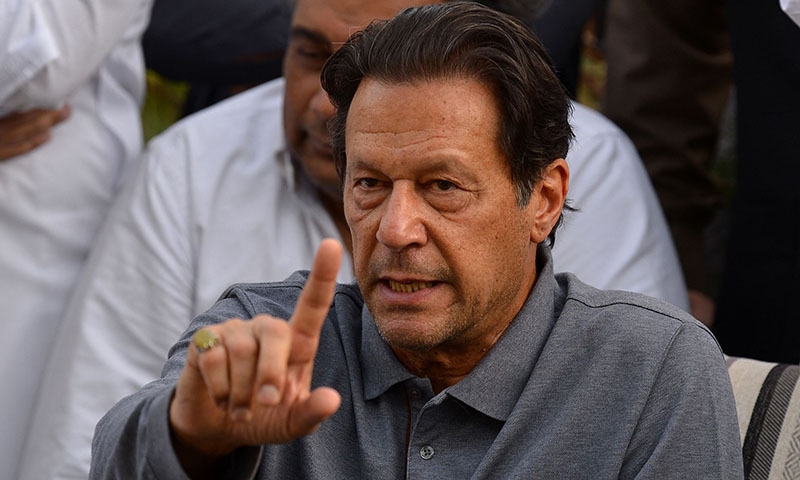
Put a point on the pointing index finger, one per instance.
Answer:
(315, 300)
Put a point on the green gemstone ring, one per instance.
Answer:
(204, 340)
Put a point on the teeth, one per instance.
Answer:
(408, 287)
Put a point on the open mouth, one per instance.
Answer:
(409, 287)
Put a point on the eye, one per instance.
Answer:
(443, 185)
(447, 196)
(309, 54)
(367, 183)
(368, 192)
(313, 53)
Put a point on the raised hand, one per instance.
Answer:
(24, 131)
(253, 386)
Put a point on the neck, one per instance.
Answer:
(446, 365)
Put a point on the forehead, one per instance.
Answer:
(443, 118)
(336, 20)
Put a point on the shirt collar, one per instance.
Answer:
(287, 166)
(496, 383)
(381, 367)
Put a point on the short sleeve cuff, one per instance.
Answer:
(242, 464)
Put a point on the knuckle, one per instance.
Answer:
(241, 346)
(234, 323)
(211, 360)
(270, 327)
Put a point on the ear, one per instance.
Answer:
(547, 199)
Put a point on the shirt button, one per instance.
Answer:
(414, 393)
(426, 452)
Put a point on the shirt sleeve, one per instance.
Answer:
(688, 427)
(48, 48)
(133, 439)
(134, 300)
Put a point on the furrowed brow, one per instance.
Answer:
(302, 33)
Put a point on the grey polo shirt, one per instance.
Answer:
(583, 384)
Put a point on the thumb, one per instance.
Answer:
(309, 414)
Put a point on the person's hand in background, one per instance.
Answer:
(22, 132)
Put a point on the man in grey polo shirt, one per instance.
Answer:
(458, 353)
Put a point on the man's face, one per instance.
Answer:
(318, 28)
(443, 254)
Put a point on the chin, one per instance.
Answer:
(408, 337)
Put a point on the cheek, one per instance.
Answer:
(492, 266)
(359, 217)
(363, 228)
(291, 122)
(299, 90)
(359, 222)
(351, 214)
(500, 245)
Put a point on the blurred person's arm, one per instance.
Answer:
(49, 48)
(134, 299)
(618, 239)
(668, 83)
(22, 132)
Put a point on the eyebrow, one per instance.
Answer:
(302, 33)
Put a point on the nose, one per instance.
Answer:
(402, 224)
(321, 105)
